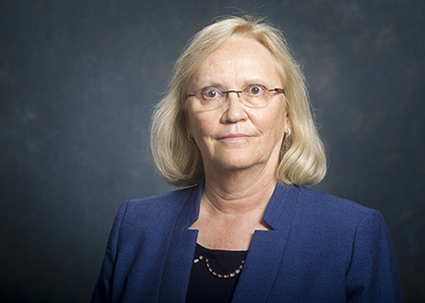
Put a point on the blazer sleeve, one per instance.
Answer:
(103, 289)
(373, 273)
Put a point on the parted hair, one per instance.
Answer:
(302, 158)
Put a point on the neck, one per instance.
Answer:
(238, 192)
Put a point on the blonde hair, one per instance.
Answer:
(179, 160)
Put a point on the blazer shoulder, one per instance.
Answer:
(158, 207)
(333, 207)
(324, 199)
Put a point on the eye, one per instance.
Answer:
(254, 90)
(211, 93)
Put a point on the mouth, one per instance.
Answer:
(234, 137)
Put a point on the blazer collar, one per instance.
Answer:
(179, 259)
(190, 210)
(267, 247)
(281, 206)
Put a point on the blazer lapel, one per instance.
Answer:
(181, 251)
(267, 247)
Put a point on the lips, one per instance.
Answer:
(234, 137)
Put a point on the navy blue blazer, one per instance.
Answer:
(321, 249)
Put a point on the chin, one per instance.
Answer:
(235, 162)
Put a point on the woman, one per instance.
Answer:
(236, 127)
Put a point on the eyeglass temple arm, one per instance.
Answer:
(279, 90)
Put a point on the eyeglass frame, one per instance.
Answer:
(279, 90)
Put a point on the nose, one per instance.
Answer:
(235, 110)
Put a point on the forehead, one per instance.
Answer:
(240, 59)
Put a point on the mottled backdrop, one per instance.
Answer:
(78, 80)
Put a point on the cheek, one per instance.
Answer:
(273, 121)
(276, 129)
(200, 124)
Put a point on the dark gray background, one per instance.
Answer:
(78, 80)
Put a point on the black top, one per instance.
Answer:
(214, 275)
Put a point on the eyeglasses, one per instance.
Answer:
(254, 96)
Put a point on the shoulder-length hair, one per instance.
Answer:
(302, 157)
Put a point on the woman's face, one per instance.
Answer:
(235, 136)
